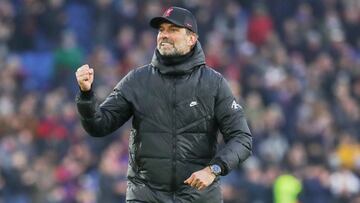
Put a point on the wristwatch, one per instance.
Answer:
(215, 169)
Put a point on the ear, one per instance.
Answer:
(193, 39)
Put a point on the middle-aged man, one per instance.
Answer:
(178, 104)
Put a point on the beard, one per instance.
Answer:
(168, 49)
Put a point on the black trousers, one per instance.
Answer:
(141, 193)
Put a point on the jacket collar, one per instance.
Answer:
(184, 67)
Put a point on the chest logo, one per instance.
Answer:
(193, 103)
(235, 105)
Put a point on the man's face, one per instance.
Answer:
(173, 40)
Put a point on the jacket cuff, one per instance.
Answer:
(86, 95)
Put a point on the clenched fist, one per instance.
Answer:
(85, 77)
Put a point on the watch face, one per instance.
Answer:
(216, 169)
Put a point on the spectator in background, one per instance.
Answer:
(287, 188)
(260, 26)
(66, 59)
(52, 23)
(104, 22)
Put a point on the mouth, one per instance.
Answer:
(166, 44)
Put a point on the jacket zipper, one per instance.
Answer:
(173, 162)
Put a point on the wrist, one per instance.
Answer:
(84, 90)
(208, 170)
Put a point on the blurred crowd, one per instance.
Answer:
(294, 66)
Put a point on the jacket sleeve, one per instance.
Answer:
(232, 124)
(100, 120)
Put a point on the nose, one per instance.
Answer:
(163, 34)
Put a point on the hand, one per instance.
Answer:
(201, 179)
(85, 77)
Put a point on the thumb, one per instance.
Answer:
(189, 179)
(91, 71)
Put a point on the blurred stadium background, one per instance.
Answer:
(293, 64)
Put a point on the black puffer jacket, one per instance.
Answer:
(177, 111)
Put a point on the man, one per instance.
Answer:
(178, 104)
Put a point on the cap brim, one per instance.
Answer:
(155, 22)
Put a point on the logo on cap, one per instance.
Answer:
(168, 12)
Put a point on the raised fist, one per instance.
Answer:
(85, 77)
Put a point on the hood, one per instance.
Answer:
(186, 66)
